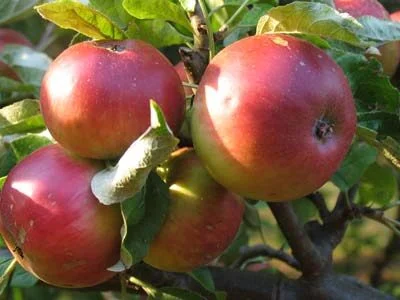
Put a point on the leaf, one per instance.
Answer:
(10, 10)
(388, 147)
(378, 185)
(20, 117)
(24, 145)
(140, 229)
(360, 157)
(29, 64)
(172, 293)
(123, 181)
(188, 5)
(7, 159)
(157, 9)
(159, 33)
(22, 278)
(204, 278)
(371, 88)
(311, 18)
(2, 181)
(252, 17)
(7, 266)
(384, 123)
(378, 30)
(71, 14)
(251, 216)
(8, 85)
(114, 10)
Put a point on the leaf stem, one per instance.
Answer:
(191, 85)
(234, 16)
(8, 271)
(210, 34)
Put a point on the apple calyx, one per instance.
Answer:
(117, 183)
(323, 129)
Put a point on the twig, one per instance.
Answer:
(47, 37)
(319, 202)
(311, 261)
(208, 28)
(248, 253)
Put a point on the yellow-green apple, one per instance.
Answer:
(273, 117)
(203, 216)
(54, 225)
(390, 56)
(95, 95)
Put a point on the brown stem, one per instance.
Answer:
(311, 261)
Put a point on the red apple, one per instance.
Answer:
(54, 225)
(390, 56)
(180, 69)
(273, 117)
(10, 36)
(203, 217)
(95, 95)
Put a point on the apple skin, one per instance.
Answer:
(203, 217)
(180, 69)
(390, 55)
(256, 115)
(95, 96)
(54, 225)
(10, 36)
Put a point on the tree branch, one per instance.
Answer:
(311, 261)
(265, 250)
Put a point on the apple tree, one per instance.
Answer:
(199, 149)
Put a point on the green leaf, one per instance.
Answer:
(2, 181)
(188, 5)
(378, 185)
(8, 85)
(384, 123)
(71, 14)
(388, 147)
(20, 117)
(252, 17)
(24, 145)
(10, 10)
(172, 293)
(22, 278)
(204, 278)
(159, 33)
(360, 157)
(251, 216)
(7, 266)
(311, 18)
(114, 10)
(378, 30)
(123, 181)
(371, 88)
(157, 9)
(140, 228)
(29, 64)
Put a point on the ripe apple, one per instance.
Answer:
(203, 217)
(95, 95)
(390, 55)
(54, 225)
(273, 117)
(10, 36)
(180, 69)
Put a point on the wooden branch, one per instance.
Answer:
(311, 261)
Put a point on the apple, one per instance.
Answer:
(203, 217)
(180, 69)
(95, 95)
(273, 117)
(390, 55)
(54, 225)
(10, 36)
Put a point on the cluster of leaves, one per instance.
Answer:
(372, 160)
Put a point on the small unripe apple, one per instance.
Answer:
(203, 217)
(10, 36)
(180, 69)
(390, 56)
(273, 117)
(54, 225)
(95, 95)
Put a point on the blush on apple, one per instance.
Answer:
(95, 95)
(273, 117)
(54, 225)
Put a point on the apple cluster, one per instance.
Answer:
(95, 102)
